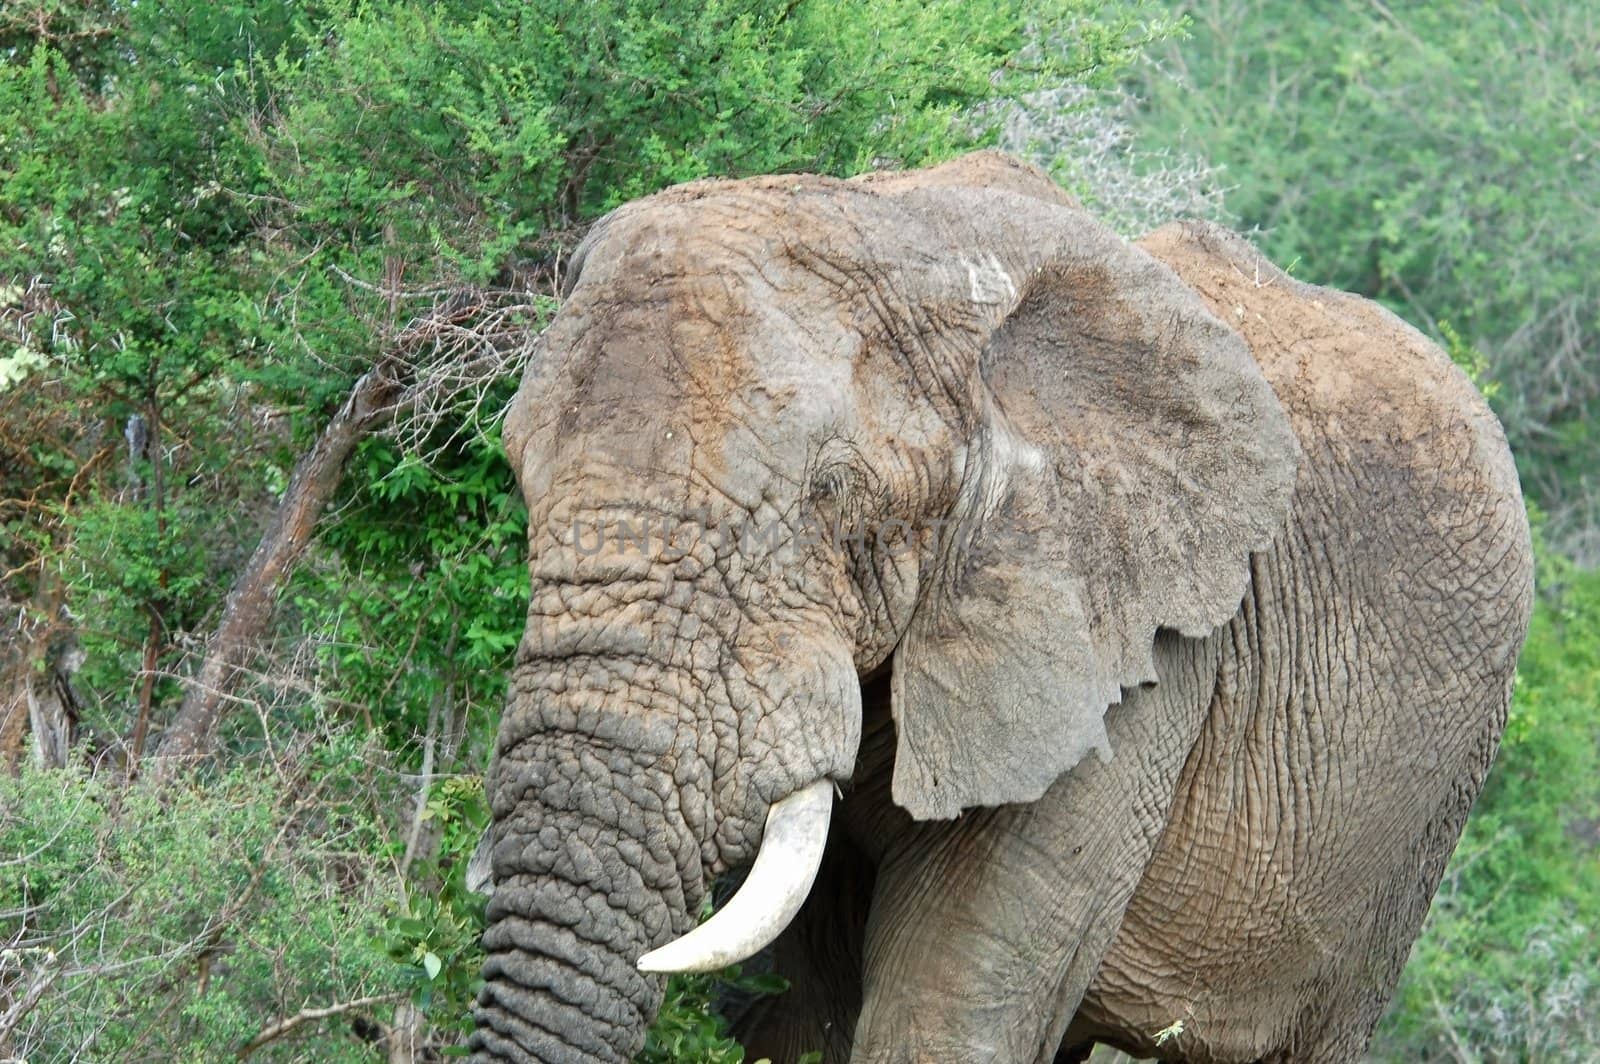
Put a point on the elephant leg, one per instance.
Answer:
(820, 957)
(986, 930)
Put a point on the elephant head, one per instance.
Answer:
(786, 433)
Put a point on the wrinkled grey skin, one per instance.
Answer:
(1205, 630)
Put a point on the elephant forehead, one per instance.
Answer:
(751, 318)
(804, 237)
(749, 287)
(695, 375)
(896, 286)
(710, 345)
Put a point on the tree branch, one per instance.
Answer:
(250, 603)
(439, 362)
(278, 1029)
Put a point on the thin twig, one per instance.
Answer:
(278, 1029)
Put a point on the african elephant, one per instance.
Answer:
(1152, 614)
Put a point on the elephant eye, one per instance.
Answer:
(830, 484)
(841, 486)
(835, 494)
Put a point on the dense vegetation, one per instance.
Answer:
(255, 253)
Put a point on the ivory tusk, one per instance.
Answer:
(780, 879)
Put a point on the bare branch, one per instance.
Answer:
(278, 1029)
(250, 602)
(29, 998)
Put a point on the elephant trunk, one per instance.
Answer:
(566, 972)
(594, 866)
(653, 735)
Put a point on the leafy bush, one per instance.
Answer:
(178, 930)
(435, 933)
(689, 1030)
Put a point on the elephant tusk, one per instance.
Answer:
(786, 866)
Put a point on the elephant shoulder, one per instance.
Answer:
(1395, 436)
(1352, 374)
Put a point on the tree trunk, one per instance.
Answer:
(407, 1035)
(52, 725)
(250, 603)
(40, 706)
(13, 719)
(36, 696)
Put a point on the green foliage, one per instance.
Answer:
(240, 899)
(421, 602)
(517, 117)
(131, 562)
(1472, 361)
(689, 1030)
(1438, 157)
(129, 295)
(435, 933)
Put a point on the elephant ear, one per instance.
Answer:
(1130, 458)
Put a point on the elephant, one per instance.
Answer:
(1079, 640)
